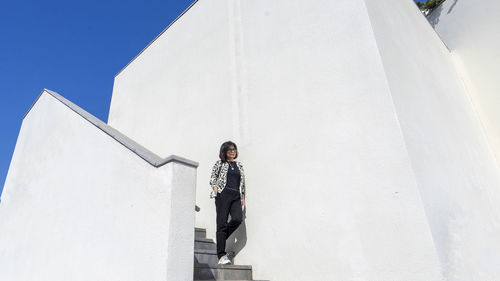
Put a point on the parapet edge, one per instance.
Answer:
(139, 150)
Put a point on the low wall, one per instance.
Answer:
(80, 205)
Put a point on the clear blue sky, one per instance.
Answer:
(72, 47)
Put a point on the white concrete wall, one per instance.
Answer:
(77, 205)
(301, 87)
(455, 169)
(470, 29)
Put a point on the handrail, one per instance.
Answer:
(141, 151)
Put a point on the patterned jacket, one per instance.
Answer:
(219, 176)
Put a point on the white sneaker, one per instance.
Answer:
(224, 260)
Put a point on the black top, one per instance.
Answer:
(233, 177)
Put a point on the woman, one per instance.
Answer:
(228, 188)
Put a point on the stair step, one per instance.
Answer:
(205, 251)
(204, 244)
(206, 240)
(206, 256)
(205, 262)
(222, 272)
(200, 232)
(226, 266)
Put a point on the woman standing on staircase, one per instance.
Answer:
(228, 188)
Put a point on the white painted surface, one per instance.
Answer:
(454, 167)
(471, 30)
(77, 205)
(356, 169)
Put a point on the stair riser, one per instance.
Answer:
(206, 258)
(205, 246)
(200, 234)
(222, 274)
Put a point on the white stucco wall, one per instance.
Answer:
(78, 205)
(454, 166)
(470, 29)
(301, 87)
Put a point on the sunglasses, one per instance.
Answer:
(231, 149)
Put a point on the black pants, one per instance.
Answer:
(227, 202)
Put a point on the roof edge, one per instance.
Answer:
(148, 156)
(161, 33)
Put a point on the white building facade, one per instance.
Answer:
(353, 122)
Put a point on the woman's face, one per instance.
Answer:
(231, 152)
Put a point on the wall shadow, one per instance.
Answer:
(452, 6)
(434, 16)
(237, 240)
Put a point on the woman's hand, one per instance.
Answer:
(215, 189)
(243, 201)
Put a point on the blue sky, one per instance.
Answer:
(72, 47)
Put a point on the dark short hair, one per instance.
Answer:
(223, 150)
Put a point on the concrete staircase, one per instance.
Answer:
(205, 262)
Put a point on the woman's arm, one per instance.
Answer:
(242, 181)
(215, 174)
